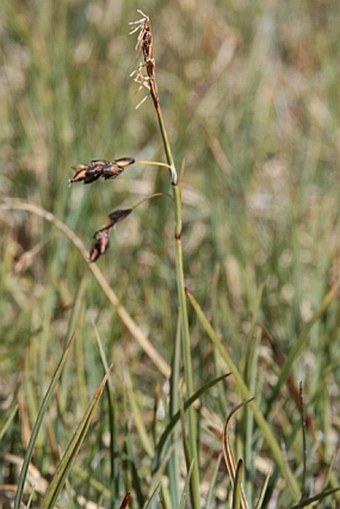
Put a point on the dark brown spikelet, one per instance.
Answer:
(80, 173)
(115, 217)
(88, 173)
(102, 235)
(119, 215)
(95, 170)
(100, 247)
(112, 170)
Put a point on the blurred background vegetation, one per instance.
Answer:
(250, 94)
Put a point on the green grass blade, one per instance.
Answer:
(72, 450)
(7, 424)
(237, 493)
(185, 491)
(132, 464)
(158, 476)
(251, 379)
(79, 344)
(37, 425)
(153, 498)
(316, 498)
(114, 453)
(137, 416)
(167, 432)
(97, 485)
(245, 393)
(212, 484)
(262, 493)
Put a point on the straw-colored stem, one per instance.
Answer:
(130, 324)
(153, 163)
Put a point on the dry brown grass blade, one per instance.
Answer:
(229, 455)
(34, 476)
(130, 324)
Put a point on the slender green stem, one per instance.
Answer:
(183, 312)
(166, 144)
(150, 197)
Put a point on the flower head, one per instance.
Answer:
(88, 173)
(145, 74)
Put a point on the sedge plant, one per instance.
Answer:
(181, 413)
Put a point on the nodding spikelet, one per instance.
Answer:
(115, 217)
(102, 235)
(88, 173)
(100, 247)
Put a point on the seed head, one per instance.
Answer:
(88, 173)
(145, 74)
(100, 247)
(102, 235)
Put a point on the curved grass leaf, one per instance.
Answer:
(245, 393)
(229, 459)
(37, 425)
(7, 424)
(316, 498)
(168, 430)
(72, 450)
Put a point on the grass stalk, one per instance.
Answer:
(173, 463)
(183, 313)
